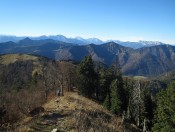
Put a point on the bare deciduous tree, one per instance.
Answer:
(136, 102)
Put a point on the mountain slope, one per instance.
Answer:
(105, 53)
(46, 48)
(74, 113)
(146, 61)
(150, 61)
(17, 70)
(79, 52)
(7, 47)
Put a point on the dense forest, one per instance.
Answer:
(27, 84)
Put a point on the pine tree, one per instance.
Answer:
(116, 102)
(104, 79)
(107, 102)
(115, 93)
(86, 77)
(165, 111)
(102, 84)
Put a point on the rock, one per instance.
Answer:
(55, 130)
(36, 111)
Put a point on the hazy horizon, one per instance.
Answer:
(123, 20)
(69, 37)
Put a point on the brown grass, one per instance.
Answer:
(74, 113)
(11, 58)
(84, 114)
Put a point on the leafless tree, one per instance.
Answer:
(49, 75)
(136, 103)
(57, 76)
(66, 76)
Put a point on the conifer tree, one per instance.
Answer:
(86, 77)
(107, 102)
(165, 111)
(116, 101)
(105, 78)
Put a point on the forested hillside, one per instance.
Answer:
(146, 103)
(28, 82)
(147, 61)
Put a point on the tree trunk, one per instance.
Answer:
(62, 92)
(46, 93)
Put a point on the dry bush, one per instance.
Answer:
(95, 120)
(27, 100)
(12, 112)
(18, 104)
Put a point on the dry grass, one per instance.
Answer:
(74, 113)
(83, 114)
(11, 58)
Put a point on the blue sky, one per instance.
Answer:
(128, 20)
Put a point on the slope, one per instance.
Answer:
(74, 113)
(147, 61)
(17, 70)
(150, 61)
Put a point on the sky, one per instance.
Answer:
(125, 20)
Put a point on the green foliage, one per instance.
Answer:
(105, 78)
(111, 82)
(140, 102)
(148, 105)
(116, 101)
(103, 84)
(107, 102)
(86, 77)
(110, 89)
(165, 111)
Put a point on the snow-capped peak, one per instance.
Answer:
(150, 43)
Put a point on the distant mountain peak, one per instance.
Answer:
(80, 38)
(151, 43)
(81, 41)
(27, 38)
(25, 41)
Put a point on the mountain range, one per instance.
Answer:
(81, 41)
(145, 61)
